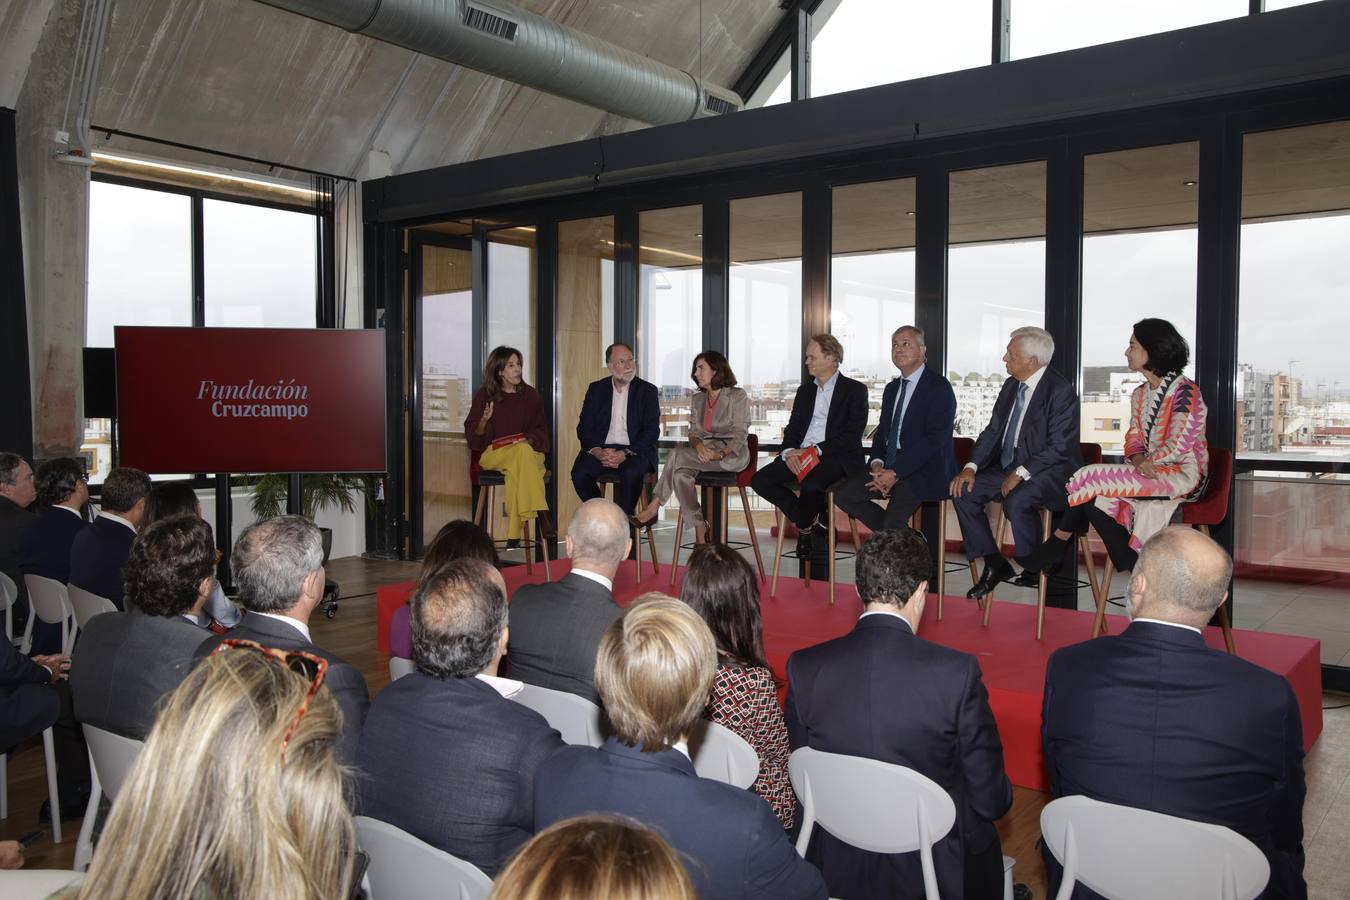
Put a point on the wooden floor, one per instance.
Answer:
(351, 634)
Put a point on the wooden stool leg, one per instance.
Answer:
(830, 544)
(754, 537)
(1099, 621)
(1043, 588)
(941, 555)
(778, 551)
(478, 510)
(675, 553)
(491, 510)
(974, 575)
(1227, 629)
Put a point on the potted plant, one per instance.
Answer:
(318, 492)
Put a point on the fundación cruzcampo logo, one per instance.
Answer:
(267, 393)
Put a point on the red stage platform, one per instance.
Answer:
(1012, 660)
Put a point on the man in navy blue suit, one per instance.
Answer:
(100, 550)
(911, 459)
(62, 492)
(882, 692)
(1156, 719)
(619, 427)
(445, 755)
(1023, 458)
(18, 490)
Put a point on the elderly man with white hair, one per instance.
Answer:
(1022, 458)
(556, 626)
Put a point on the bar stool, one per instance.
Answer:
(714, 484)
(608, 477)
(487, 481)
(783, 525)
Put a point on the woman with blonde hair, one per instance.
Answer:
(237, 792)
(595, 856)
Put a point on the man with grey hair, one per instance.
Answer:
(18, 490)
(445, 755)
(278, 569)
(1022, 459)
(101, 548)
(1157, 719)
(618, 429)
(911, 459)
(556, 626)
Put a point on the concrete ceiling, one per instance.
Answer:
(238, 76)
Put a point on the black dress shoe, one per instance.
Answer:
(804, 542)
(1027, 578)
(989, 579)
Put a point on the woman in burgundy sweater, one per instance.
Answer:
(507, 432)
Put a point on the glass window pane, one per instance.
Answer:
(260, 266)
(872, 278)
(1049, 26)
(446, 336)
(510, 293)
(1285, 4)
(140, 260)
(776, 87)
(670, 310)
(862, 43)
(1139, 260)
(995, 278)
(764, 315)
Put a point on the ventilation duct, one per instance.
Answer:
(499, 39)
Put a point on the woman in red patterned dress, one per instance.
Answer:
(721, 587)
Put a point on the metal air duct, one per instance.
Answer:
(494, 37)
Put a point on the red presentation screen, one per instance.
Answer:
(251, 399)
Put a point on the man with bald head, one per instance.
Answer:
(1156, 719)
(556, 626)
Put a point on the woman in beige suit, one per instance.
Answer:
(719, 420)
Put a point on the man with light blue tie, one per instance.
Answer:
(1022, 458)
(911, 459)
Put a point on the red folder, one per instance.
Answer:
(508, 440)
(808, 460)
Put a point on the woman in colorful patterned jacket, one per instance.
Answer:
(1166, 456)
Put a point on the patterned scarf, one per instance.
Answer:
(1155, 404)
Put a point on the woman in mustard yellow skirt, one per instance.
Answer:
(507, 432)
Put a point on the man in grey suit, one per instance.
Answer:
(126, 661)
(278, 569)
(556, 627)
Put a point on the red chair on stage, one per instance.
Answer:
(714, 485)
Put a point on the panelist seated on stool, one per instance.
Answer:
(1021, 459)
(619, 426)
(911, 459)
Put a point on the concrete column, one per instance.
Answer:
(54, 216)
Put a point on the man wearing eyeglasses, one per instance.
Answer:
(619, 426)
(278, 569)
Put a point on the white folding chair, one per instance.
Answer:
(111, 757)
(85, 604)
(1185, 858)
(872, 805)
(401, 866)
(399, 666)
(53, 795)
(36, 884)
(577, 719)
(722, 755)
(9, 592)
(49, 602)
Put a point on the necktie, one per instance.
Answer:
(1010, 436)
(893, 445)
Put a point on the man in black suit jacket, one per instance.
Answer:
(654, 669)
(18, 490)
(100, 550)
(1022, 459)
(278, 568)
(830, 414)
(911, 459)
(556, 626)
(63, 491)
(1153, 718)
(125, 662)
(445, 755)
(618, 429)
(884, 693)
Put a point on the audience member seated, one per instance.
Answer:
(459, 539)
(100, 549)
(1154, 718)
(62, 492)
(722, 588)
(278, 568)
(177, 498)
(237, 793)
(654, 669)
(125, 662)
(590, 857)
(882, 692)
(556, 626)
(444, 754)
(18, 491)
